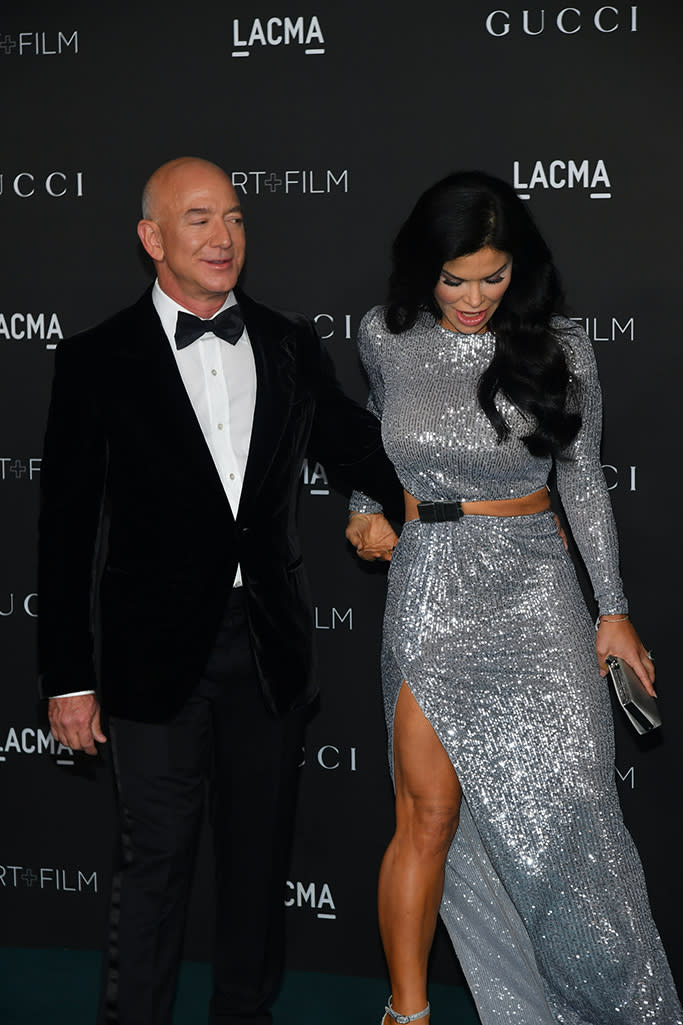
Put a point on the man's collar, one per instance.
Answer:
(168, 308)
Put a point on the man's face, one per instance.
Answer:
(195, 235)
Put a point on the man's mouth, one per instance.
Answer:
(225, 262)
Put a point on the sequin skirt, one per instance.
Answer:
(545, 898)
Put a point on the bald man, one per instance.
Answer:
(175, 439)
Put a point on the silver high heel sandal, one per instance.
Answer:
(403, 1019)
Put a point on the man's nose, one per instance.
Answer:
(220, 236)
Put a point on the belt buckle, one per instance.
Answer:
(440, 512)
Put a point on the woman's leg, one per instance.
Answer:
(411, 877)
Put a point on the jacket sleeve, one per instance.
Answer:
(72, 487)
(348, 440)
(361, 500)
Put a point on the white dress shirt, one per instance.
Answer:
(220, 380)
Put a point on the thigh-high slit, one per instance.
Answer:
(544, 896)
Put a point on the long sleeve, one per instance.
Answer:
(581, 483)
(347, 438)
(359, 501)
(72, 486)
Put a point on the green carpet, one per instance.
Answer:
(59, 987)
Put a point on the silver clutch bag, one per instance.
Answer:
(640, 707)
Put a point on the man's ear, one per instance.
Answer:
(150, 236)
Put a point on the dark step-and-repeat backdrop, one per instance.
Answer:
(332, 119)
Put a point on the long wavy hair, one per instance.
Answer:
(458, 216)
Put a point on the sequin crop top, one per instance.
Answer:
(423, 387)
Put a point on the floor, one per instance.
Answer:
(59, 987)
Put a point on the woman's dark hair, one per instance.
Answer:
(458, 216)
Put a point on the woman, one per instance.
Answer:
(500, 729)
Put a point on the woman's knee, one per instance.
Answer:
(428, 791)
(428, 822)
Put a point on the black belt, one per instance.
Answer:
(439, 512)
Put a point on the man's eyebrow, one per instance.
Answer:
(195, 210)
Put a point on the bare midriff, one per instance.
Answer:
(537, 501)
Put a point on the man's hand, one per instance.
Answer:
(75, 722)
(372, 536)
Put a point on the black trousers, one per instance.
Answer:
(226, 737)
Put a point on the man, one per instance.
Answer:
(174, 448)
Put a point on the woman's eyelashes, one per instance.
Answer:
(486, 281)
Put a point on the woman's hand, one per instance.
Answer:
(372, 536)
(618, 637)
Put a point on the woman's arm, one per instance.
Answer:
(369, 349)
(368, 531)
(583, 490)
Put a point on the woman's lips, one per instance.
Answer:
(471, 319)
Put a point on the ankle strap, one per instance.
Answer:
(405, 1019)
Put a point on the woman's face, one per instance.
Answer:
(470, 289)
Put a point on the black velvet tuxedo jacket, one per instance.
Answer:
(129, 484)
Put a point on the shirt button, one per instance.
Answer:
(220, 427)
(232, 476)
(214, 372)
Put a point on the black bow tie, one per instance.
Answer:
(228, 325)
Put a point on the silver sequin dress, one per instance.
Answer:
(544, 898)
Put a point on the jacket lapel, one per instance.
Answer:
(167, 396)
(165, 392)
(275, 382)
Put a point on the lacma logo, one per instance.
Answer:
(19, 327)
(301, 32)
(308, 895)
(31, 741)
(589, 175)
(315, 478)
